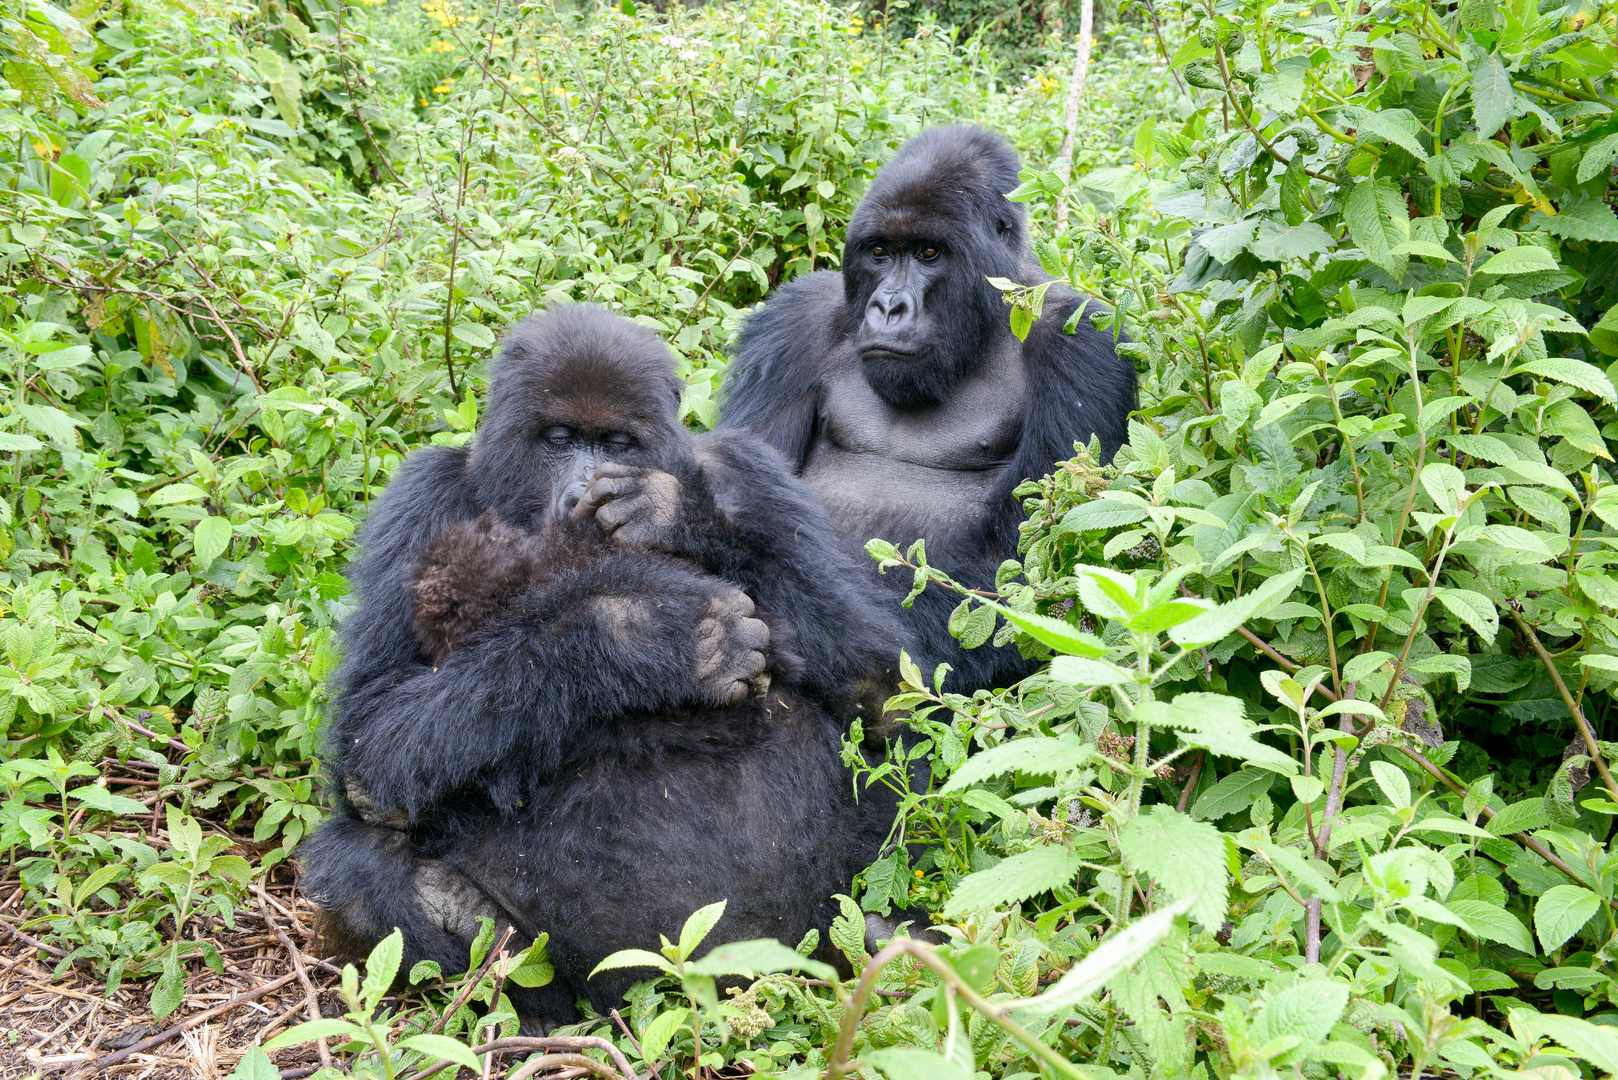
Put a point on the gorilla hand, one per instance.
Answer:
(730, 649)
(633, 504)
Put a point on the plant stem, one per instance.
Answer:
(1589, 736)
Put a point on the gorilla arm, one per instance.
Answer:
(622, 634)
(741, 515)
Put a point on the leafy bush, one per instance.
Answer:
(1314, 781)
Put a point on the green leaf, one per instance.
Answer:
(1524, 816)
(1393, 782)
(444, 1048)
(1597, 159)
(211, 538)
(1378, 221)
(1101, 513)
(1493, 923)
(1596, 1043)
(1038, 755)
(1493, 99)
(1213, 626)
(759, 957)
(382, 965)
(697, 927)
(1561, 912)
(1523, 259)
(1114, 956)
(170, 986)
(911, 1063)
(1474, 609)
(255, 1064)
(1305, 1011)
(1294, 182)
(1013, 880)
(1583, 219)
(1586, 377)
(1218, 724)
(314, 1029)
(1082, 671)
(657, 1035)
(1232, 794)
(633, 958)
(1061, 636)
(474, 334)
(99, 798)
(1184, 856)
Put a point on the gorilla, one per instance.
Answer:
(598, 678)
(900, 394)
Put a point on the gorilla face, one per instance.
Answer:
(934, 225)
(570, 392)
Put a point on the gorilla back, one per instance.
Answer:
(899, 393)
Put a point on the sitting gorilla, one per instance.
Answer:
(898, 391)
(550, 712)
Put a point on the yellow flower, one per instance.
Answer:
(441, 46)
(445, 13)
(444, 87)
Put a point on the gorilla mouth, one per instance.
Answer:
(887, 352)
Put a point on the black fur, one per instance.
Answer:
(920, 420)
(521, 727)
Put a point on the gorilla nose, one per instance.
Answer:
(889, 313)
(569, 497)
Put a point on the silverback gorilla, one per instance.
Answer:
(898, 392)
(555, 708)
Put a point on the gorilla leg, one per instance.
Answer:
(369, 879)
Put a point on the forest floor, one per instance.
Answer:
(68, 1028)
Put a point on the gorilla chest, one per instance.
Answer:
(886, 471)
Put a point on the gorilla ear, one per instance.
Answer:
(1006, 228)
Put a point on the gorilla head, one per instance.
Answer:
(934, 224)
(574, 387)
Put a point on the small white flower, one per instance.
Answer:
(688, 54)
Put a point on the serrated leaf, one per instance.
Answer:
(1213, 626)
(1523, 259)
(1493, 98)
(1099, 514)
(382, 965)
(1597, 1044)
(211, 538)
(1597, 159)
(633, 958)
(1034, 756)
(1524, 816)
(314, 1029)
(761, 956)
(442, 1047)
(474, 334)
(1378, 222)
(1305, 1011)
(1561, 912)
(1472, 608)
(1013, 880)
(1114, 956)
(1082, 671)
(1218, 724)
(657, 1035)
(1232, 794)
(913, 1063)
(1577, 373)
(698, 926)
(1493, 923)
(1061, 636)
(1393, 782)
(99, 798)
(1184, 856)
(255, 1064)
(1583, 219)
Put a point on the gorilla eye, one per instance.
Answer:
(557, 434)
(620, 441)
(928, 254)
(880, 251)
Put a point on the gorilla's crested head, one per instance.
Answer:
(573, 386)
(934, 224)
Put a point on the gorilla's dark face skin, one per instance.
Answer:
(605, 395)
(914, 267)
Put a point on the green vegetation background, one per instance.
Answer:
(1321, 765)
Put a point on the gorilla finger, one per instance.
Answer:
(616, 470)
(732, 602)
(751, 633)
(737, 692)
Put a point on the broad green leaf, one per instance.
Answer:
(1597, 158)
(656, 1036)
(1037, 755)
(1184, 856)
(99, 798)
(1493, 98)
(1493, 923)
(1013, 880)
(633, 958)
(1218, 724)
(1101, 513)
(761, 956)
(1524, 816)
(1114, 956)
(1472, 608)
(1082, 671)
(211, 538)
(1059, 635)
(443, 1047)
(1596, 1043)
(474, 334)
(314, 1029)
(382, 965)
(255, 1064)
(1577, 373)
(1445, 485)
(1523, 259)
(1561, 912)
(912, 1063)
(1393, 782)
(697, 927)
(1306, 1011)
(1232, 794)
(1378, 222)
(1213, 626)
